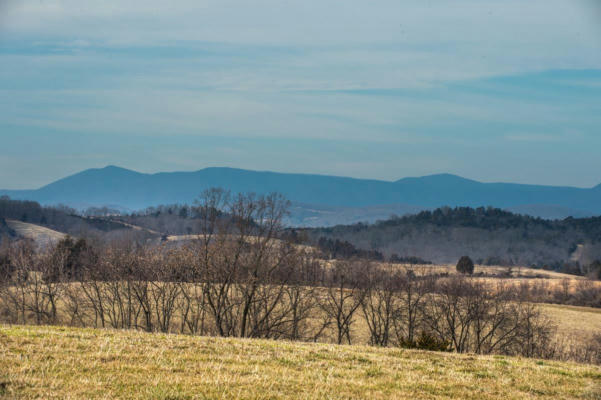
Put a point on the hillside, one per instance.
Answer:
(128, 189)
(33, 219)
(39, 234)
(70, 363)
(489, 236)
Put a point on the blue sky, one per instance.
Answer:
(488, 89)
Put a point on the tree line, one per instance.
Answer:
(492, 236)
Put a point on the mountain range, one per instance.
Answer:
(317, 199)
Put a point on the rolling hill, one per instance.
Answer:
(338, 197)
(72, 363)
(39, 234)
(490, 236)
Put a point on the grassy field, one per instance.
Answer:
(575, 323)
(37, 233)
(56, 362)
(516, 272)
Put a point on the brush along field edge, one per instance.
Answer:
(70, 363)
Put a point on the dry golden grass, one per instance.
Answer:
(70, 363)
(516, 272)
(574, 323)
(512, 276)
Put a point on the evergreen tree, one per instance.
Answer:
(465, 265)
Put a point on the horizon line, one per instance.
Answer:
(109, 166)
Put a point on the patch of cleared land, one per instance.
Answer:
(70, 363)
(41, 235)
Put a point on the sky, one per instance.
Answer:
(492, 90)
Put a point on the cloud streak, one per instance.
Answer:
(382, 89)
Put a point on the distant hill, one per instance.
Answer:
(490, 236)
(39, 234)
(128, 189)
(20, 218)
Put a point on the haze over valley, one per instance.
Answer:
(318, 200)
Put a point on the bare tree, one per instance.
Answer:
(21, 259)
(448, 313)
(380, 303)
(412, 293)
(343, 296)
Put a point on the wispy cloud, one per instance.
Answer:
(374, 89)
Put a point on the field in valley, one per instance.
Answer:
(574, 323)
(70, 363)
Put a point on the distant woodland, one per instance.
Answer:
(489, 236)
(60, 218)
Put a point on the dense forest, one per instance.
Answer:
(490, 236)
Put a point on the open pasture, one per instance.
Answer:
(72, 363)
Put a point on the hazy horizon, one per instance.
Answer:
(282, 172)
(491, 91)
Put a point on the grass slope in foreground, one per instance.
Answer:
(57, 362)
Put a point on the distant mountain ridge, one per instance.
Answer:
(134, 190)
